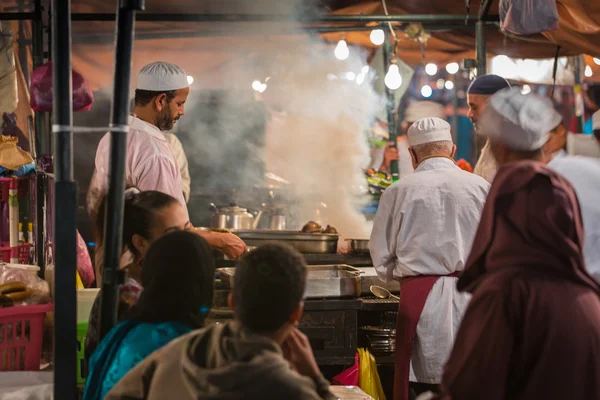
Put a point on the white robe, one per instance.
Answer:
(182, 161)
(584, 174)
(425, 225)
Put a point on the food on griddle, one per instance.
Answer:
(330, 229)
(311, 227)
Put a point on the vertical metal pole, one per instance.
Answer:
(65, 300)
(480, 48)
(39, 134)
(118, 145)
(391, 103)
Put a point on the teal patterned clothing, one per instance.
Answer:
(126, 345)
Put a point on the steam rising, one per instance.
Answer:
(314, 116)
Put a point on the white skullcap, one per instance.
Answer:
(428, 130)
(596, 120)
(161, 76)
(423, 109)
(520, 121)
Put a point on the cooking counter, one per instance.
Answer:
(355, 260)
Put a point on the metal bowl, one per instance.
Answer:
(359, 245)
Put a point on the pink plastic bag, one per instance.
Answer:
(41, 90)
(348, 377)
(528, 17)
(84, 263)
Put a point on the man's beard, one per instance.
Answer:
(165, 120)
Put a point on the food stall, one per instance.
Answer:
(342, 313)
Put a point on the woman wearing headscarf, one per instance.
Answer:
(177, 277)
(532, 328)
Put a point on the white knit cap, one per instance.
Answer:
(428, 130)
(161, 76)
(520, 121)
(423, 109)
(596, 120)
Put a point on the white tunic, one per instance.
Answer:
(584, 175)
(182, 161)
(425, 225)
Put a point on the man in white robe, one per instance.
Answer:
(422, 235)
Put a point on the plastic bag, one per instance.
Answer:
(12, 157)
(348, 377)
(369, 380)
(528, 17)
(41, 90)
(38, 290)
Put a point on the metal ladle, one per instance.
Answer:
(382, 292)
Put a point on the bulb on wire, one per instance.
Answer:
(190, 79)
(452, 68)
(256, 85)
(597, 61)
(431, 69)
(449, 85)
(588, 71)
(393, 79)
(341, 50)
(377, 37)
(426, 91)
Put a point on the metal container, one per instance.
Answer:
(231, 217)
(306, 243)
(322, 281)
(359, 245)
(272, 222)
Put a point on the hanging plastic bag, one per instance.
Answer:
(11, 156)
(369, 380)
(42, 93)
(348, 377)
(528, 17)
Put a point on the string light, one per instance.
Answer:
(449, 85)
(256, 85)
(341, 50)
(526, 89)
(588, 71)
(440, 83)
(393, 79)
(597, 61)
(426, 91)
(377, 37)
(431, 69)
(190, 79)
(452, 68)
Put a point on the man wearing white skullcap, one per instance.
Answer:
(161, 92)
(414, 112)
(421, 236)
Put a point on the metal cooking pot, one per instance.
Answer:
(232, 217)
(359, 245)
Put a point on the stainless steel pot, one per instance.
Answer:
(232, 217)
(359, 245)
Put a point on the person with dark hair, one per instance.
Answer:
(478, 94)
(532, 327)
(148, 216)
(160, 96)
(178, 279)
(259, 355)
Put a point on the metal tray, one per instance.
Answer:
(323, 281)
(306, 243)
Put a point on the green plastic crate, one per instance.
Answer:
(82, 328)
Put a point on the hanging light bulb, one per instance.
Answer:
(426, 91)
(597, 61)
(440, 83)
(190, 79)
(256, 85)
(431, 69)
(449, 85)
(452, 68)
(377, 37)
(526, 89)
(393, 79)
(262, 88)
(588, 71)
(341, 50)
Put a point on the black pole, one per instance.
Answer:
(480, 48)
(65, 200)
(118, 145)
(190, 17)
(391, 107)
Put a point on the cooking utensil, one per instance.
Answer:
(231, 217)
(359, 245)
(322, 281)
(382, 293)
(307, 243)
